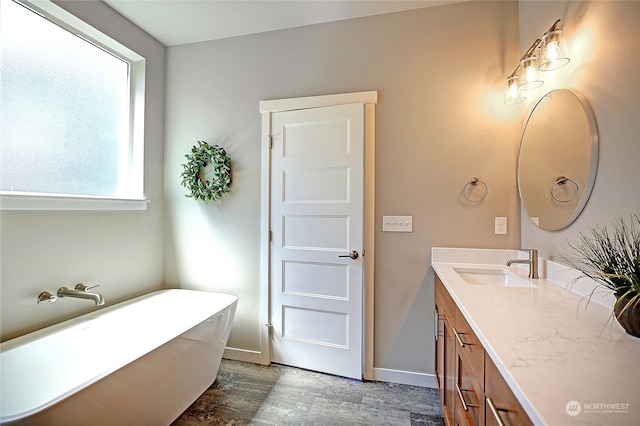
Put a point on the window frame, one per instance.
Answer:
(134, 199)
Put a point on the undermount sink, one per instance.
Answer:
(492, 276)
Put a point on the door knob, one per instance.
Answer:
(354, 254)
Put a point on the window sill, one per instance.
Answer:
(14, 201)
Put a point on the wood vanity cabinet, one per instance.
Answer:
(469, 383)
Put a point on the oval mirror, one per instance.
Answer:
(558, 159)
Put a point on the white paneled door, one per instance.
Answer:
(317, 207)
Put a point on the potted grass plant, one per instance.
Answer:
(611, 257)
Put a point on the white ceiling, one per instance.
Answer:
(174, 22)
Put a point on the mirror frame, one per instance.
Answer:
(593, 166)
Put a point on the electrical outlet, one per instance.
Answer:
(501, 226)
(397, 223)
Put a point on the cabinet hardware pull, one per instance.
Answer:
(494, 411)
(460, 342)
(464, 403)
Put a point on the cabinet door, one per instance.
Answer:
(469, 407)
(469, 384)
(445, 351)
(445, 365)
(501, 405)
(439, 349)
(461, 416)
(449, 372)
(469, 346)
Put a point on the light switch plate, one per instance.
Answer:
(397, 223)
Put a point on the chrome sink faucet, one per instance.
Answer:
(81, 292)
(532, 262)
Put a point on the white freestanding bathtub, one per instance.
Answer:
(140, 362)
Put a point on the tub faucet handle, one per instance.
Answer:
(45, 296)
(82, 287)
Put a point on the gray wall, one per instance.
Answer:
(604, 43)
(440, 121)
(121, 251)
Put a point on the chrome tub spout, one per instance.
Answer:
(81, 292)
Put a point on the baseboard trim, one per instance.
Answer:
(379, 374)
(245, 355)
(404, 377)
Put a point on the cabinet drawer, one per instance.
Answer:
(469, 347)
(501, 405)
(446, 305)
(469, 395)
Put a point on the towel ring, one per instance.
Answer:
(473, 183)
(561, 180)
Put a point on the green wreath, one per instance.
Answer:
(202, 155)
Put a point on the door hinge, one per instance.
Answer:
(270, 141)
(270, 236)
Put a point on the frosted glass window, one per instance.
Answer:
(65, 110)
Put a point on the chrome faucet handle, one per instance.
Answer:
(82, 287)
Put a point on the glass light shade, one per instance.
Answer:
(514, 94)
(553, 51)
(530, 77)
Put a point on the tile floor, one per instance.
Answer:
(250, 394)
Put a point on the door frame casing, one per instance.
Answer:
(267, 108)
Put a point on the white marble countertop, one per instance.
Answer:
(553, 348)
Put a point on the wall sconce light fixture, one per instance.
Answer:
(553, 50)
(545, 54)
(514, 94)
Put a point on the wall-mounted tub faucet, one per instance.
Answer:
(532, 262)
(81, 292)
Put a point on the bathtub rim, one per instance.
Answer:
(9, 344)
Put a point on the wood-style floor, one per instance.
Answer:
(250, 394)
